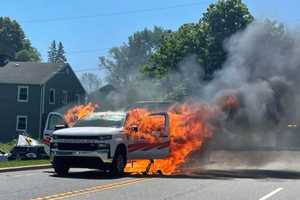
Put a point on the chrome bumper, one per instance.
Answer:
(102, 154)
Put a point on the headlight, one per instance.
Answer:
(105, 137)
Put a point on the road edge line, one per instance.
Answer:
(24, 168)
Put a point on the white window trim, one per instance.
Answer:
(65, 100)
(52, 89)
(26, 120)
(19, 89)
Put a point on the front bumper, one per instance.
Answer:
(103, 155)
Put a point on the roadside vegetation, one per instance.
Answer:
(20, 163)
(7, 146)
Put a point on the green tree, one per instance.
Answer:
(220, 21)
(52, 52)
(204, 39)
(125, 63)
(13, 42)
(56, 53)
(61, 57)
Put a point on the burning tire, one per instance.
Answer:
(119, 162)
(60, 167)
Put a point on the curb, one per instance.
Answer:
(23, 168)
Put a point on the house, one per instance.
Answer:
(107, 97)
(29, 91)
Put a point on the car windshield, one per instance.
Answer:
(102, 119)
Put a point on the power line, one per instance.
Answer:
(128, 12)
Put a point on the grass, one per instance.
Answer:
(20, 163)
(6, 147)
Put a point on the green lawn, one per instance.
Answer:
(6, 147)
(19, 163)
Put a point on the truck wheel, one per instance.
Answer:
(60, 168)
(118, 163)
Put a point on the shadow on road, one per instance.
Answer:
(203, 174)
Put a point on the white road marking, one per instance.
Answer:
(271, 194)
(20, 175)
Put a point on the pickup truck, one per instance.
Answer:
(99, 142)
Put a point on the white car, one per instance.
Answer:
(98, 141)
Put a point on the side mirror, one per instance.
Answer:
(60, 126)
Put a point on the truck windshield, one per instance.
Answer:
(102, 119)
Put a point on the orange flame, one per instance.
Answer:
(78, 112)
(189, 128)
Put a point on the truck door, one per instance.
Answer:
(53, 120)
(141, 148)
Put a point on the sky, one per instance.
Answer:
(88, 28)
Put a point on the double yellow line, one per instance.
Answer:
(90, 190)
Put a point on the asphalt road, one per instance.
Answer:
(208, 185)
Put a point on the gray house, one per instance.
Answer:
(29, 91)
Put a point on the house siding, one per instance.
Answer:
(65, 80)
(35, 110)
(10, 108)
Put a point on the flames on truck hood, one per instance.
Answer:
(191, 124)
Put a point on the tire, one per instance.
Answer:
(60, 168)
(119, 162)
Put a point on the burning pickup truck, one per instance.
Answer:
(105, 140)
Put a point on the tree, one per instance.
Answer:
(13, 42)
(204, 39)
(52, 52)
(124, 63)
(90, 81)
(56, 53)
(60, 57)
(221, 20)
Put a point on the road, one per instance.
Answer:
(209, 185)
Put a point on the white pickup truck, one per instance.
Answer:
(99, 142)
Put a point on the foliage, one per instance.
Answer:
(204, 39)
(56, 53)
(20, 163)
(124, 63)
(7, 146)
(13, 43)
(90, 81)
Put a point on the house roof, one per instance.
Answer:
(28, 72)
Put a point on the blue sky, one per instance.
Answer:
(85, 39)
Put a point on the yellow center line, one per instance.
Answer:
(90, 190)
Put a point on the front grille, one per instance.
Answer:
(77, 147)
(83, 137)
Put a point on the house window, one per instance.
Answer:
(65, 97)
(23, 95)
(21, 123)
(52, 96)
(78, 98)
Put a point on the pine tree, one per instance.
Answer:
(60, 56)
(52, 53)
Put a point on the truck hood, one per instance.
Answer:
(85, 131)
